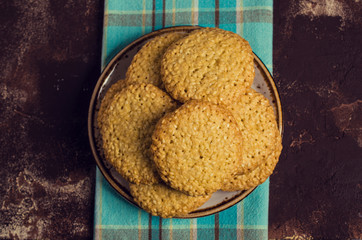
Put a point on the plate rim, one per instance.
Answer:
(91, 114)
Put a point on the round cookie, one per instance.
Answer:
(126, 128)
(209, 64)
(197, 147)
(161, 200)
(257, 176)
(115, 88)
(146, 64)
(258, 126)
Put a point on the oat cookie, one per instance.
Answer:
(257, 176)
(258, 126)
(161, 200)
(146, 64)
(209, 64)
(197, 147)
(126, 128)
(115, 88)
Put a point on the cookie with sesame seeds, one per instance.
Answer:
(146, 64)
(197, 147)
(126, 129)
(256, 176)
(209, 64)
(115, 88)
(256, 119)
(161, 200)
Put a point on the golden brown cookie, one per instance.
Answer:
(126, 128)
(146, 64)
(257, 176)
(209, 64)
(258, 126)
(197, 147)
(108, 97)
(161, 200)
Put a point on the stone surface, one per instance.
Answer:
(49, 64)
(316, 189)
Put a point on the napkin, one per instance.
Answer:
(126, 20)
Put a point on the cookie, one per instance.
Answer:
(258, 126)
(126, 129)
(161, 200)
(197, 147)
(115, 88)
(209, 64)
(146, 64)
(257, 176)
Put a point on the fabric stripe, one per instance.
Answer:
(204, 7)
(98, 206)
(143, 16)
(216, 226)
(217, 14)
(163, 13)
(173, 12)
(139, 225)
(104, 38)
(149, 226)
(239, 17)
(235, 17)
(193, 229)
(195, 12)
(171, 229)
(160, 228)
(153, 14)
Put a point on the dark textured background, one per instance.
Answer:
(50, 61)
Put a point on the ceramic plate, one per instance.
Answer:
(116, 70)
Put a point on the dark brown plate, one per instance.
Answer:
(116, 70)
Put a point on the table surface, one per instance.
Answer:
(50, 62)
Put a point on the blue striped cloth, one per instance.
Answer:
(126, 20)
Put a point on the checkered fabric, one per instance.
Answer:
(125, 21)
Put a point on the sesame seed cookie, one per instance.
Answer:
(209, 64)
(126, 128)
(115, 88)
(146, 64)
(197, 147)
(161, 200)
(258, 126)
(257, 176)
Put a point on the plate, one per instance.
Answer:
(116, 70)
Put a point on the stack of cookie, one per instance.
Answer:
(185, 122)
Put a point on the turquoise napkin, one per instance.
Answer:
(126, 20)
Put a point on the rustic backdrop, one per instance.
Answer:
(50, 61)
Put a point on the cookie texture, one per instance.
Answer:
(209, 64)
(161, 200)
(258, 126)
(146, 64)
(108, 97)
(197, 147)
(257, 176)
(126, 129)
